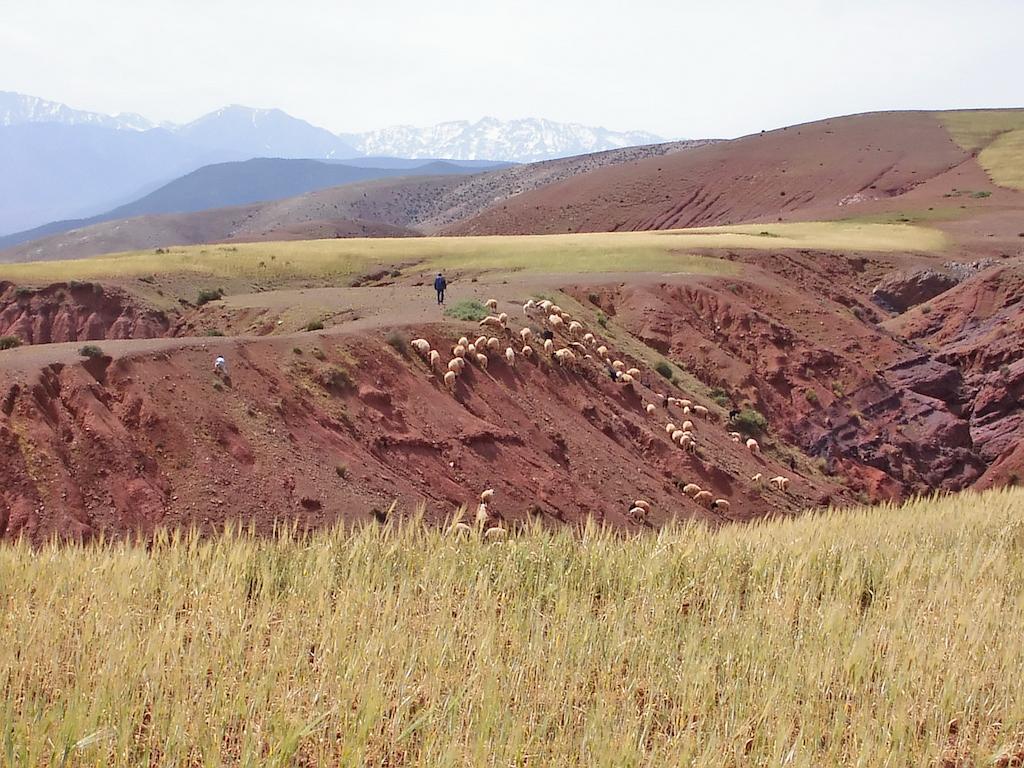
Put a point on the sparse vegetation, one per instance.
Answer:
(341, 471)
(214, 332)
(314, 325)
(811, 397)
(9, 342)
(318, 353)
(90, 350)
(981, 195)
(926, 309)
(664, 369)
(751, 422)
(468, 309)
(720, 397)
(602, 319)
(397, 342)
(206, 295)
(398, 645)
(334, 377)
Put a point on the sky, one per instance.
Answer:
(680, 69)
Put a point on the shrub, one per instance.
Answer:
(214, 332)
(90, 350)
(981, 195)
(297, 350)
(9, 342)
(837, 389)
(21, 291)
(602, 319)
(206, 295)
(468, 309)
(593, 298)
(664, 369)
(341, 471)
(750, 421)
(926, 309)
(334, 377)
(395, 273)
(318, 353)
(720, 397)
(314, 325)
(397, 343)
(811, 396)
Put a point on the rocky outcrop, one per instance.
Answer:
(903, 290)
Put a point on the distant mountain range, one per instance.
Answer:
(62, 163)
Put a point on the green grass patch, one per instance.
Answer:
(9, 342)
(468, 309)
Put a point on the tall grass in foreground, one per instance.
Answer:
(891, 636)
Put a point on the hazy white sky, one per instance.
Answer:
(680, 69)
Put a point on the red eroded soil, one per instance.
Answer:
(154, 439)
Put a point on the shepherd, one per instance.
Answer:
(439, 285)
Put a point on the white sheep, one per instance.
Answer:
(565, 356)
(493, 344)
(449, 379)
(670, 428)
(619, 366)
(510, 357)
(589, 339)
(677, 435)
(554, 321)
(546, 306)
(701, 411)
(480, 342)
(575, 327)
(528, 307)
(495, 533)
(491, 304)
(503, 318)
(482, 514)
(556, 310)
(686, 410)
(435, 358)
(492, 321)
(780, 483)
(459, 350)
(481, 360)
(637, 513)
(691, 489)
(757, 479)
(470, 351)
(486, 495)
(634, 372)
(703, 498)
(684, 403)
(687, 426)
(752, 446)
(690, 445)
(460, 529)
(644, 505)
(625, 378)
(720, 504)
(549, 346)
(453, 365)
(602, 351)
(527, 351)
(650, 408)
(526, 334)
(463, 341)
(422, 346)
(736, 436)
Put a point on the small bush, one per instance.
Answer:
(314, 325)
(90, 350)
(209, 294)
(395, 273)
(811, 396)
(720, 397)
(980, 195)
(750, 421)
(214, 332)
(926, 309)
(664, 369)
(837, 389)
(318, 353)
(9, 342)
(297, 350)
(334, 377)
(593, 298)
(21, 291)
(397, 343)
(469, 309)
(602, 319)
(341, 471)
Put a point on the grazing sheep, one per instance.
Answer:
(687, 426)
(637, 513)
(453, 365)
(578, 347)
(752, 446)
(503, 318)
(619, 366)
(670, 401)
(677, 435)
(670, 428)
(459, 350)
(496, 533)
(491, 304)
(471, 350)
(449, 379)
(634, 372)
(625, 378)
(691, 489)
(650, 408)
(510, 357)
(460, 529)
(602, 351)
(703, 498)
(662, 399)
(422, 346)
(546, 306)
(481, 360)
(486, 496)
(480, 342)
(526, 334)
(493, 344)
(528, 307)
(463, 341)
(435, 358)
(757, 479)
(589, 339)
(575, 327)
(684, 403)
(554, 321)
(722, 505)
(644, 505)
(690, 445)
(527, 351)
(556, 310)
(701, 411)
(565, 357)
(491, 321)
(549, 346)
(481, 516)
(736, 436)
(780, 483)
(686, 410)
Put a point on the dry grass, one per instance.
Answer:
(1003, 159)
(882, 637)
(999, 135)
(339, 260)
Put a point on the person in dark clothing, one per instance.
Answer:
(439, 285)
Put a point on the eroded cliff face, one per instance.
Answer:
(76, 312)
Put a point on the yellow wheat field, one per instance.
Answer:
(890, 636)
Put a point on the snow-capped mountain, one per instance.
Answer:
(18, 109)
(523, 141)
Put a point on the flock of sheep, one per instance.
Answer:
(580, 344)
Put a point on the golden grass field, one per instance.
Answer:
(998, 136)
(881, 637)
(666, 251)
